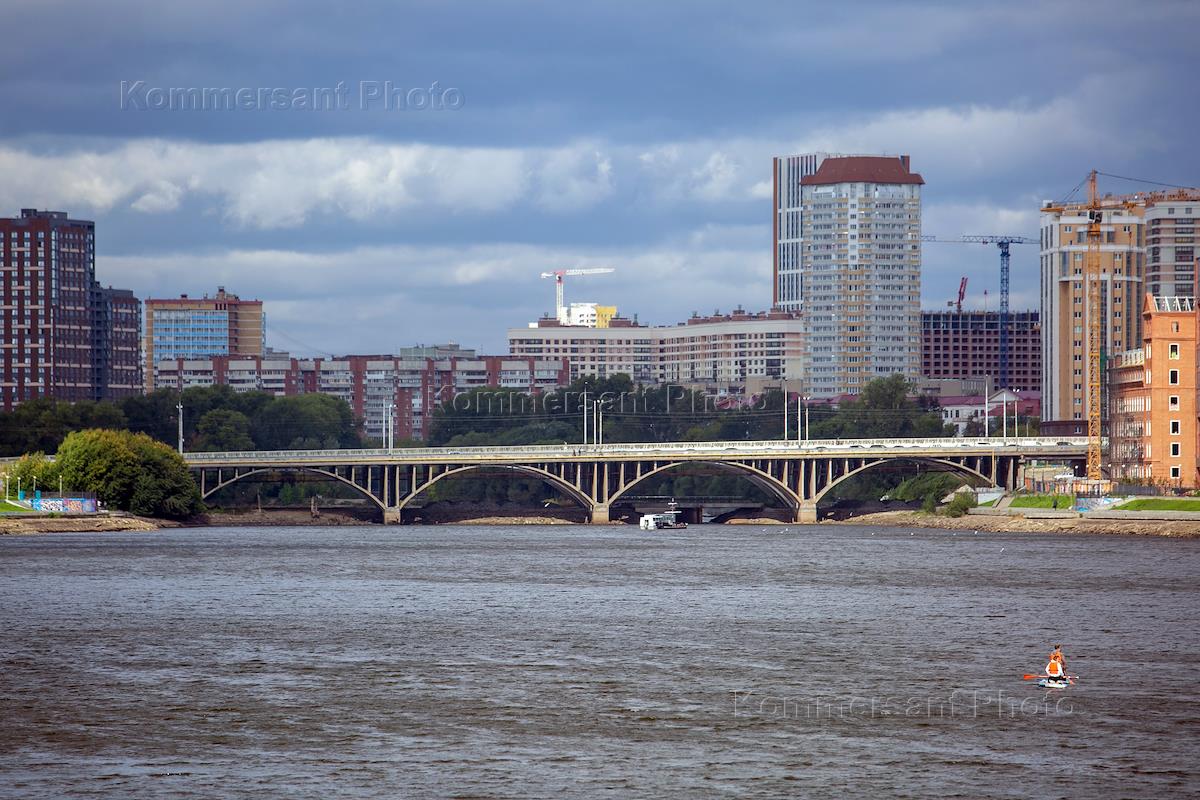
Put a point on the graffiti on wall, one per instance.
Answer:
(64, 505)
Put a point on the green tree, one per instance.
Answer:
(153, 414)
(884, 410)
(223, 429)
(163, 487)
(129, 471)
(100, 461)
(30, 470)
(307, 421)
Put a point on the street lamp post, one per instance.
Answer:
(179, 408)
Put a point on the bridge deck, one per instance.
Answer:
(1037, 447)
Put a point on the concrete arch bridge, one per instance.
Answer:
(799, 474)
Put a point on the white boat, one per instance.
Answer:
(667, 520)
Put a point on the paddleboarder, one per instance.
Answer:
(1057, 667)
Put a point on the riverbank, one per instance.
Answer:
(28, 524)
(920, 519)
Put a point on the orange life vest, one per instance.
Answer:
(1054, 669)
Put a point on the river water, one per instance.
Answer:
(719, 661)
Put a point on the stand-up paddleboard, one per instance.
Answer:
(1052, 682)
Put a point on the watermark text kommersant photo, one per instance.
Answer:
(139, 95)
(959, 703)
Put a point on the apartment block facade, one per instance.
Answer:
(64, 335)
(1154, 434)
(376, 387)
(1147, 246)
(720, 352)
(966, 344)
(197, 327)
(859, 291)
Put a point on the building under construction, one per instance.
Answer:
(967, 344)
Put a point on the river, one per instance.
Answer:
(718, 661)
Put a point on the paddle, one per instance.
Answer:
(1039, 677)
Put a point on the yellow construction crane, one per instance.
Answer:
(1096, 318)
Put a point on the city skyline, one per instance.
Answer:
(444, 218)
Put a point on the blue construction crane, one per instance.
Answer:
(1003, 243)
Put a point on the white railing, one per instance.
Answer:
(1052, 445)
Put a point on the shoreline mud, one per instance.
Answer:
(30, 525)
(920, 519)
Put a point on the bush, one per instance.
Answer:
(930, 503)
(961, 502)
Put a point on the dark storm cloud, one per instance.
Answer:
(637, 133)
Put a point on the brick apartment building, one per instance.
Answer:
(1154, 402)
(65, 336)
(412, 382)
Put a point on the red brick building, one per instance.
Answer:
(64, 335)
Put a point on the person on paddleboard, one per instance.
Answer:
(1057, 666)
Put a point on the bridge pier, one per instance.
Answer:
(600, 515)
(807, 512)
(391, 516)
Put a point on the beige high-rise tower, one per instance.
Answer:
(858, 287)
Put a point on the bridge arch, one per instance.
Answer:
(524, 469)
(954, 466)
(314, 470)
(756, 476)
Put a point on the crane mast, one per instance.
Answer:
(1095, 320)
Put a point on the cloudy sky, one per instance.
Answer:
(634, 135)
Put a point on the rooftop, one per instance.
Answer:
(862, 169)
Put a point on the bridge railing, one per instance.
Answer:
(644, 449)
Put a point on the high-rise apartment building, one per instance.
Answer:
(1154, 434)
(198, 327)
(1147, 246)
(859, 278)
(64, 336)
(966, 344)
(1170, 220)
(787, 211)
(117, 343)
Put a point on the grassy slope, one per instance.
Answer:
(1042, 501)
(1161, 504)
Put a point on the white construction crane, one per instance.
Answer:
(558, 275)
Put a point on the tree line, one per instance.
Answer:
(214, 417)
(490, 416)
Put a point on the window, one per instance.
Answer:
(1173, 352)
(1175, 449)
(1174, 427)
(1173, 377)
(1173, 403)
(1175, 472)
